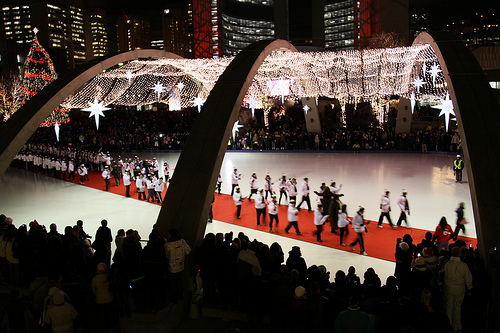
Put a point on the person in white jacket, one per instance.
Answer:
(385, 208)
(272, 209)
(292, 189)
(141, 188)
(85, 172)
(405, 209)
(127, 180)
(238, 199)
(64, 169)
(457, 281)
(103, 296)
(166, 171)
(71, 170)
(293, 218)
(319, 220)
(81, 173)
(176, 250)
(60, 315)
(358, 223)
(150, 185)
(268, 185)
(260, 206)
(305, 195)
(106, 175)
(282, 188)
(159, 187)
(253, 186)
(57, 167)
(342, 224)
(235, 178)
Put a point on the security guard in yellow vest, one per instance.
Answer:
(458, 165)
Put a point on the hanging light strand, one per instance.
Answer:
(349, 76)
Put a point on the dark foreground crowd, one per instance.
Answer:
(68, 278)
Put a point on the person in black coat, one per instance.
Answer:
(297, 262)
(102, 244)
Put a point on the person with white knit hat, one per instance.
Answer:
(358, 223)
(293, 218)
(254, 186)
(60, 315)
(405, 209)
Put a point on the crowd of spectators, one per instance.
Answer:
(72, 276)
(162, 130)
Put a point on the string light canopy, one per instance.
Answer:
(349, 76)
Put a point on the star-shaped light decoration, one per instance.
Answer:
(306, 108)
(412, 101)
(129, 76)
(180, 85)
(198, 101)
(252, 104)
(446, 107)
(35, 30)
(56, 128)
(270, 85)
(236, 128)
(300, 92)
(96, 108)
(435, 70)
(418, 83)
(424, 68)
(158, 88)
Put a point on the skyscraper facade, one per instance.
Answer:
(243, 22)
(339, 24)
(133, 33)
(178, 30)
(307, 24)
(96, 33)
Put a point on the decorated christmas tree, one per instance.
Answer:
(38, 73)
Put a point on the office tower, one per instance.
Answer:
(178, 30)
(133, 33)
(96, 33)
(419, 21)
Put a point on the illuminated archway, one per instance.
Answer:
(191, 189)
(18, 129)
(477, 113)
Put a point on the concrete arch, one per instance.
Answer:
(477, 113)
(18, 129)
(189, 196)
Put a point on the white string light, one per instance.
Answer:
(348, 76)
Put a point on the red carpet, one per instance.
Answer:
(379, 242)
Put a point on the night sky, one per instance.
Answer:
(440, 11)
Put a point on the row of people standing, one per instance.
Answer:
(287, 188)
(385, 209)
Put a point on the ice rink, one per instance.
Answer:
(428, 179)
